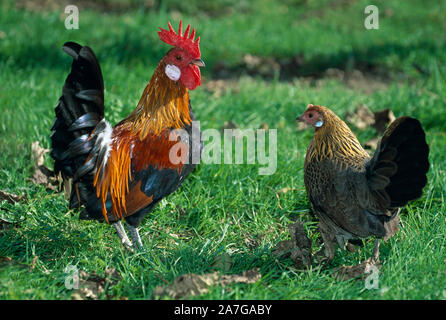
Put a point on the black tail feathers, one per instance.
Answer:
(397, 172)
(79, 110)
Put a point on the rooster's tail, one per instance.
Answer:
(79, 112)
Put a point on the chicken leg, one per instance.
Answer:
(134, 234)
(122, 234)
(136, 239)
(375, 256)
(327, 253)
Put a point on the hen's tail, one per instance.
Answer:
(79, 110)
(397, 172)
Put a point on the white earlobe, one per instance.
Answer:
(173, 72)
(319, 124)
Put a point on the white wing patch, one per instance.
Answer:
(103, 142)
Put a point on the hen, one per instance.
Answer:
(122, 172)
(357, 196)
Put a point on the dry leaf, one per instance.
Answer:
(192, 284)
(361, 118)
(10, 197)
(298, 248)
(382, 119)
(350, 247)
(359, 271)
(38, 154)
(250, 242)
(283, 249)
(43, 175)
(46, 177)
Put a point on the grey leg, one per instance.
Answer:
(122, 235)
(375, 256)
(134, 234)
(329, 240)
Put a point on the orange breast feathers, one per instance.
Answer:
(128, 155)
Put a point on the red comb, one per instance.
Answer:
(185, 42)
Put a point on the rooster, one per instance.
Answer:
(357, 196)
(121, 172)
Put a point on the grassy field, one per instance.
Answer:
(224, 210)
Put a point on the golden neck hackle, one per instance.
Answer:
(164, 104)
(334, 140)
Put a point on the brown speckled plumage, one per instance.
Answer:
(355, 195)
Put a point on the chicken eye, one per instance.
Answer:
(310, 115)
(178, 57)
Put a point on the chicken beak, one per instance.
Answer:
(198, 63)
(300, 119)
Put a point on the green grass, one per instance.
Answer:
(224, 205)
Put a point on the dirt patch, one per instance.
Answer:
(355, 69)
(359, 271)
(192, 284)
(356, 75)
(92, 285)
